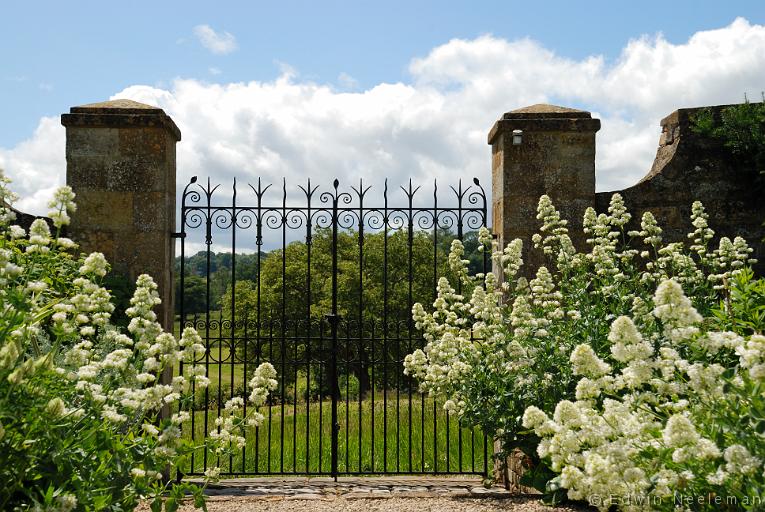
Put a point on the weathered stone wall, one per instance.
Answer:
(120, 159)
(25, 220)
(557, 157)
(690, 167)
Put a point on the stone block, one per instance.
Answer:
(89, 171)
(103, 210)
(150, 212)
(92, 142)
(146, 143)
(96, 241)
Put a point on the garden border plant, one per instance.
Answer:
(497, 349)
(80, 398)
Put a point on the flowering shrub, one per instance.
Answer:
(495, 349)
(674, 417)
(80, 400)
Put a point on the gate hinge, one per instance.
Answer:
(177, 235)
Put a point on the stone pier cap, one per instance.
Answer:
(544, 117)
(120, 113)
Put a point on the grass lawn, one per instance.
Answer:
(374, 434)
(297, 439)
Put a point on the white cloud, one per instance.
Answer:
(37, 165)
(220, 43)
(214, 71)
(436, 125)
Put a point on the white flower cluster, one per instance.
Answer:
(61, 206)
(492, 350)
(7, 198)
(115, 377)
(39, 237)
(729, 260)
(119, 374)
(553, 235)
(81, 314)
(617, 446)
(235, 417)
(447, 356)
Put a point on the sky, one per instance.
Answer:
(403, 89)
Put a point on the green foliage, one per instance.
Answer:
(194, 293)
(349, 387)
(743, 311)
(741, 128)
(498, 353)
(196, 269)
(79, 407)
(122, 290)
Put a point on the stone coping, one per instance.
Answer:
(546, 111)
(120, 113)
(543, 124)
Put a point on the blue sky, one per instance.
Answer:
(58, 54)
(371, 89)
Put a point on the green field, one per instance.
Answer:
(296, 437)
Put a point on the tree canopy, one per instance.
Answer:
(379, 277)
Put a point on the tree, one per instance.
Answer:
(378, 280)
(194, 294)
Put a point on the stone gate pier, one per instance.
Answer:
(120, 161)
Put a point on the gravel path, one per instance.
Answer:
(340, 504)
(378, 494)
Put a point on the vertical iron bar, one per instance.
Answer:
(422, 338)
(448, 442)
(485, 253)
(460, 236)
(295, 397)
(258, 339)
(385, 328)
(284, 322)
(334, 319)
(485, 214)
(219, 339)
(270, 406)
(435, 295)
(398, 396)
(410, 322)
(308, 244)
(232, 349)
(348, 364)
(322, 369)
(208, 243)
(372, 338)
(245, 341)
(182, 321)
(193, 406)
(362, 366)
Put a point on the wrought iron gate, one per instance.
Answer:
(323, 286)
